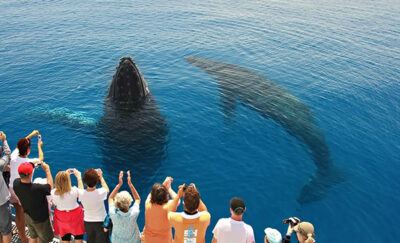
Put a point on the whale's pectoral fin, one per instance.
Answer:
(228, 102)
(77, 120)
(228, 105)
(319, 184)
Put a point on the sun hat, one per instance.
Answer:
(25, 168)
(305, 228)
(273, 235)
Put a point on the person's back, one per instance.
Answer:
(33, 198)
(157, 228)
(190, 225)
(230, 231)
(233, 229)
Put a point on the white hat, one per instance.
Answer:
(273, 235)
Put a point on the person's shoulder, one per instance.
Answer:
(248, 228)
(52, 192)
(205, 215)
(222, 221)
(17, 182)
(174, 216)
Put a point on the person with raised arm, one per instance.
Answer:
(157, 228)
(68, 214)
(191, 224)
(123, 216)
(33, 198)
(304, 231)
(5, 210)
(92, 200)
(19, 156)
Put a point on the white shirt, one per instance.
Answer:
(228, 230)
(93, 204)
(68, 201)
(15, 162)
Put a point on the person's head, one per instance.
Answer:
(159, 194)
(24, 146)
(25, 171)
(123, 200)
(91, 178)
(191, 199)
(237, 206)
(63, 183)
(272, 236)
(305, 232)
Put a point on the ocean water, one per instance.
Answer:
(340, 58)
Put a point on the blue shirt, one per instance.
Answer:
(125, 228)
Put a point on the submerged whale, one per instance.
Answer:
(132, 133)
(272, 101)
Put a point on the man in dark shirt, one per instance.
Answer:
(34, 202)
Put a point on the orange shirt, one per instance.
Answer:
(189, 228)
(157, 228)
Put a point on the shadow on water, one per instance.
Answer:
(133, 139)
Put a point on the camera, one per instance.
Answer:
(293, 221)
(71, 171)
(185, 187)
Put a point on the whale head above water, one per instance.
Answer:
(128, 87)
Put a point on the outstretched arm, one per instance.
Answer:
(6, 158)
(167, 183)
(103, 182)
(133, 189)
(78, 175)
(33, 133)
(173, 205)
(49, 177)
(116, 189)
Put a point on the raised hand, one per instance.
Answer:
(129, 178)
(121, 175)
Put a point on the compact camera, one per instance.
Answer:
(293, 221)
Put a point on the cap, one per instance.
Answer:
(273, 235)
(25, 168)
(237, 205)
(305, 228)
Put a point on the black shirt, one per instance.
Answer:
(33, 199)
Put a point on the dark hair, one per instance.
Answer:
(159, 194)
(238, 206)
(23, 145)
(191, 198)
(23, 175)
(91, 178)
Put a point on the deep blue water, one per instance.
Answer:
(341, 58)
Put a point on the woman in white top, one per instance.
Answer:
(92, 200)
(68, 214)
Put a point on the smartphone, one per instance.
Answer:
(71, 171)
(39, 137)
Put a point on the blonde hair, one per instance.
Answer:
(123, 200)
(63, 183)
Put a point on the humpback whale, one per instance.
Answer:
(273, 101)
(132, 134)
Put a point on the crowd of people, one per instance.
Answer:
(80, 211)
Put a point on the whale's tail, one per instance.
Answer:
(319, 184)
